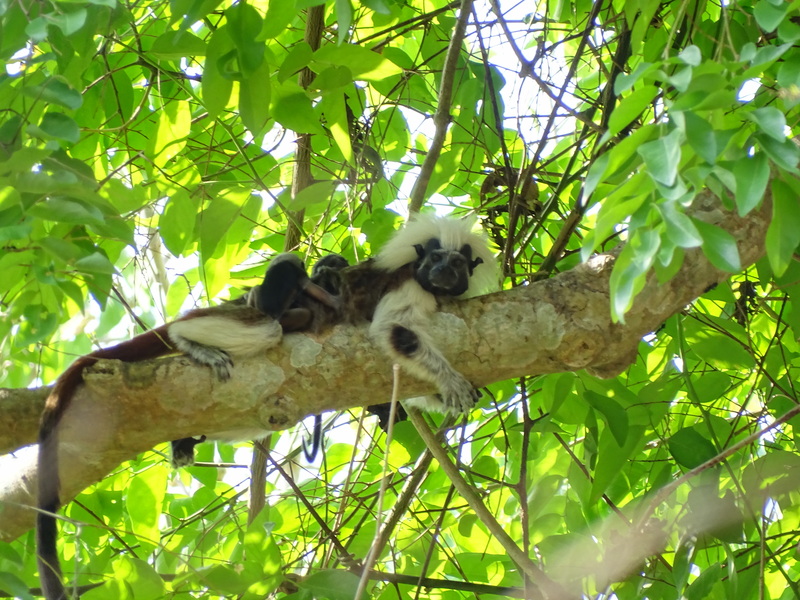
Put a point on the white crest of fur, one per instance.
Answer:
(452, 233)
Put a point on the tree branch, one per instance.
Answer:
(441, 118)
(560, 324)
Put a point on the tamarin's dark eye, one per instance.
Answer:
(436, 258)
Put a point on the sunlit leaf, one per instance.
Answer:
(771, 121)
(701, 138)
(60, 126)
(313, 194)
(630, 108)
(363, 63)
(752, 176)
(216, 88)
(177, 44)
(57, 91)
(144, 498)
(661, 157)
(690, 449)
(293, 110)
(279, 15)
(254, 97)
(680, 228)
(769, 15)
(719, 246)
(783, 234)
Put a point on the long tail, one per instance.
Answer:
(46, 527)
(147, 345)
(49, 483)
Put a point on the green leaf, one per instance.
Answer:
(173, 126)
(143, 500)
(333, 107)
(344, 19)
(785, 153)
(365, 64)
(295, 111)
(681, 79)
(613, 414)
(61, 249)
(597, 171)
(332, 584)
(177, 44)
(719, 247)
(630, 270)
(68, 22)
(177, 223)
(789, 80)
(216, 88)
(60, 127)
(611, 214)
(254, 98)
(721, 351)
(66, 210)
(313, 194)
(691, 56)
(752, 176)
(37, 29)
(189, 12)
(73, 292)
(96, 262)
(379, 6)
(612, 458)
(56, 91)
(217, 218)
(690, 449)
(332, 78)
(701, 137)
(297, 58)
(9, 197)
(14, 586)
(680, 229)
(279, 15)
(223, 579)
(768, 15)
(132, 579)
(662, 157)
(783, 234)
(260, 546)
(245, 26)
(630, 108)
(771, 121)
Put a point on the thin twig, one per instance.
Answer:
(441, 118)
(546, 588)
(372, 555)
(668, 489)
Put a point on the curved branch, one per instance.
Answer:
(560, 324)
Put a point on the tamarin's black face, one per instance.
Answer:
(444, 272)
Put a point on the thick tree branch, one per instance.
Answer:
(560, 324)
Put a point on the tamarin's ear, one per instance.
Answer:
(475, 263)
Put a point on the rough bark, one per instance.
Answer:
(556, 325)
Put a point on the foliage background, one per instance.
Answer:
(147, 156)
